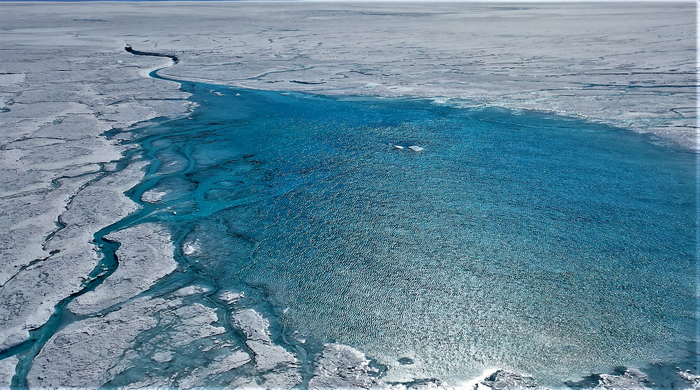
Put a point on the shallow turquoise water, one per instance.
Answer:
(538, 244)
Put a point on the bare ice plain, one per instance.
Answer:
(71, 316)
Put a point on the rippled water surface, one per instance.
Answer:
(538, 244)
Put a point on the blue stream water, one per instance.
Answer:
(534, 243)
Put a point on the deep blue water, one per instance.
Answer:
(534, 243)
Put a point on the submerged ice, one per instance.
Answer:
(544, 246)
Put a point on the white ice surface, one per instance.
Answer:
(93, 351)
(145, 256)
(253, 325)
(7, 371)
(152, 196)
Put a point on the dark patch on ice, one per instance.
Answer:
(307, 82)
(129, 49)
(362, 72)
(405, 361)
(429, 383)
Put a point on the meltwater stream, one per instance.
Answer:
(538, 244)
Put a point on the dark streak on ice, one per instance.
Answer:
(152, 54)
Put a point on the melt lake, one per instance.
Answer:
(535, 243)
